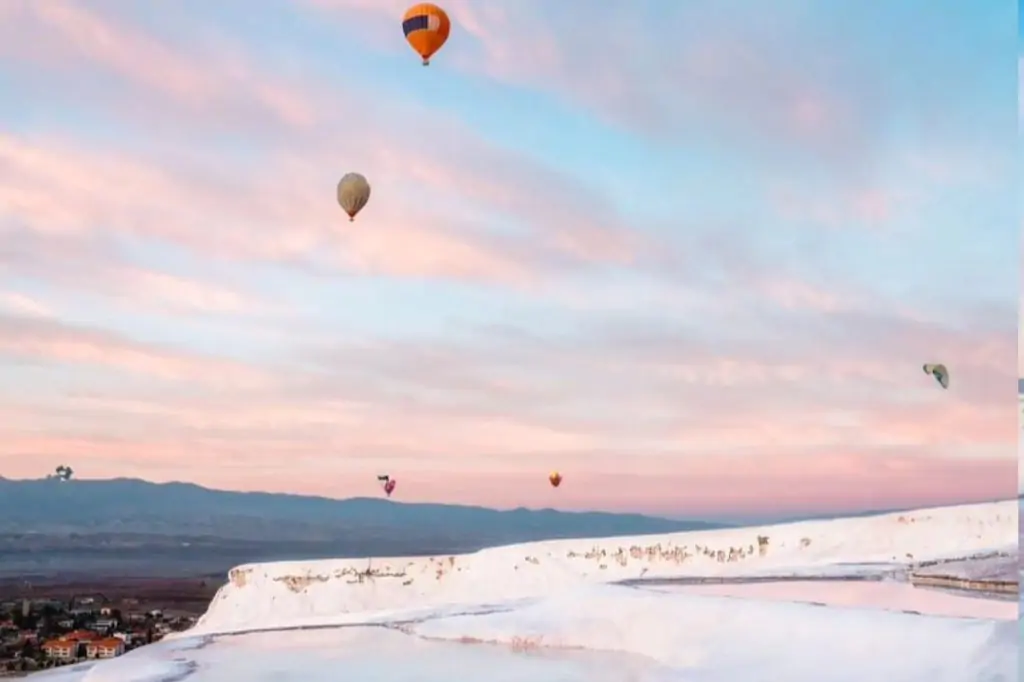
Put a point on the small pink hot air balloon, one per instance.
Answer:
(387, 483)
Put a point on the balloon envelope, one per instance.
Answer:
(555, 479)
(353, 194)
(940, 373)
(426, 29)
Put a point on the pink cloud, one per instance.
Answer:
(178, 208)
(182, 294)
(635, 421)
(562, 222)
(61, 34)
(45, 340)
(797, 89)
(778, 486)
(562, 218)
(863, 208)
(716, 377)
(1020, 87)
(659, 73)
(259, 218)
(20, 304)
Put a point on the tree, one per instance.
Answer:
(29, 649)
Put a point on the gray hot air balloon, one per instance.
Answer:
(940, 373)
(353, 194)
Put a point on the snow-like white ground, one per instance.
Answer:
(553, 611)
(888, 595)
(286, 594)
(1003, 567)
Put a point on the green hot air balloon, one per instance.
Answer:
(353, 194)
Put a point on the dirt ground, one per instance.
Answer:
(186, 596)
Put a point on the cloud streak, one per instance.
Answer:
(702, 283)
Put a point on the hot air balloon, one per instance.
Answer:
(353, 194)
(426, 29)
(940, 373)
(555, 479)
(387, 483)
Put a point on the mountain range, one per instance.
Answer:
(54, 525)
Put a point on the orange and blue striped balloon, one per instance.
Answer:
(426, 29)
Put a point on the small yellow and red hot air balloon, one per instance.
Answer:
(555, 479)
(426, 29)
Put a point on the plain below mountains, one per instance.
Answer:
(134, 527)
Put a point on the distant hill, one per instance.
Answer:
(363, 526)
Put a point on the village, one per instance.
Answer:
(45, 632)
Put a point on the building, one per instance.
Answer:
(80, 636)
(61, 649)
(104, 624)
(108, 647)
(77, 640)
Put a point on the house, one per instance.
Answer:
(108, 647)
(80, 638)
(125, 637)
(60, 649)
(104, 624)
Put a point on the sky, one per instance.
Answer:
(1020, 194)
(689, 255)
